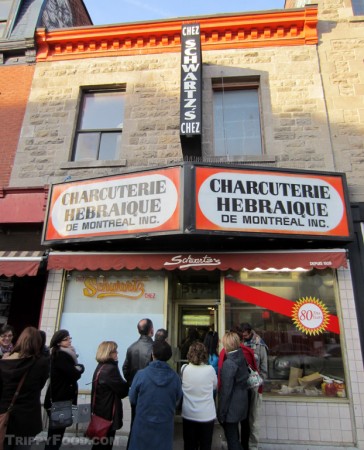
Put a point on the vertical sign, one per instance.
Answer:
(191, 75)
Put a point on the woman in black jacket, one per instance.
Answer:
(25, 419)
(108, 388)
(65, 371)
(233, 394)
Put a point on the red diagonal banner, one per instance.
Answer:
(269, 301)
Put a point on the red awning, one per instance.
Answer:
(20, 263)
(319, 259)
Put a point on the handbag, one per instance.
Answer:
(60, 414)
(254, 379)
(98, 426)
(4, 417)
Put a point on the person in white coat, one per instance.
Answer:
(199, 381)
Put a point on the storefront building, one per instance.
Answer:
(160, 207)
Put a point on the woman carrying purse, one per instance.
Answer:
(25, 363)
(65, 371)
(108, 388)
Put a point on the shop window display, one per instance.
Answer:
(295, 312)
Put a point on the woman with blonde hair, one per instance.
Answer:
(108, 388)
(233, 392)
(26, 363)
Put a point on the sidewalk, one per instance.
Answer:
(73, 441)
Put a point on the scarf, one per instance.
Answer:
(70, 351)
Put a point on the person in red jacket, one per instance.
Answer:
(250, 359)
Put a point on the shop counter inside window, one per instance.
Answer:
(295, 313)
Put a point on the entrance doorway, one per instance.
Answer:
(194, 310)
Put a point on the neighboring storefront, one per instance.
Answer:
(299, 299)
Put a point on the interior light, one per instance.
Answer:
(272, 269)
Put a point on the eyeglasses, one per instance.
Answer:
(6, 336)
(68, 338)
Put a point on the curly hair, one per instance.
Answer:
(197, 354)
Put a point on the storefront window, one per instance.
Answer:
(295, 313)
(107, 305)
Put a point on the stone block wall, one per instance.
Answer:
(294, 119)
(312, 106)
(341, 55)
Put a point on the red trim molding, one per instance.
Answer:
(228, 31)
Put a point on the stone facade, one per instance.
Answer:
(295, 126)
(341, 54)
(311, 103)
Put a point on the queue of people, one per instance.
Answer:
(208, 390)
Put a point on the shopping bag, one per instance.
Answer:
(60, 415)
(98, 427)
(4, 418)
(254, 379)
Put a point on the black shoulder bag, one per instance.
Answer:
(60, 413)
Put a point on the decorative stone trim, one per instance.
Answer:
(274, 28)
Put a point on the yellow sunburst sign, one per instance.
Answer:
(310, 315)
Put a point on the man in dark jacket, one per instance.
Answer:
(138, 356)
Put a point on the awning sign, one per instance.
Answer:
(270, 202)
(117, 205)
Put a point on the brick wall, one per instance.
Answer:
(15, 83)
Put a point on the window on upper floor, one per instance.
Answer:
(358, 7)
(100, 125)
(237, 123)
(5, 6)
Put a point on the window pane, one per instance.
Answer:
(237, 123)
(291, 349)
(5, 6)
(102, 110)
(86, 146)
(358, 7)
(109, 146)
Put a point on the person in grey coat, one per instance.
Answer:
(233, 393)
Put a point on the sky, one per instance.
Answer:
(104, 12)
